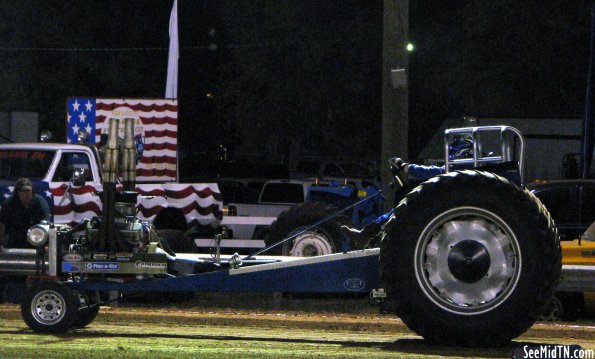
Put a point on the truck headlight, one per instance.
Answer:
(230, 211)
(38, 235)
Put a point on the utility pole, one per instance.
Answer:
(589, 119)
(395, 93)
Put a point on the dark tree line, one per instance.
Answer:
(304, 77)
(51, 50)
(277, 77)
(521, 59)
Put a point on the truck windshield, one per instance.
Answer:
(34, 165)
(282, 193)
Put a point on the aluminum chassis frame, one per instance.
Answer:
(330, 273)
(351, 272)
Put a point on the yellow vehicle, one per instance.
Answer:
(576, 290)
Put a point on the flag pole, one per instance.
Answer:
(171, 87)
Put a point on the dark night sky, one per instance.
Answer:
(498, 59)
(286, 68)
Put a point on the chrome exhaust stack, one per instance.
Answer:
(107, 235)
(129, 156)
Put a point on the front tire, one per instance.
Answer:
(87, 310)
(49, 307)
(469, 259)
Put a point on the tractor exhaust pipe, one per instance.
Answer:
(107, 233)
(129, 156)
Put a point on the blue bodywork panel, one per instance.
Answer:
(343, 196)
(352, 272)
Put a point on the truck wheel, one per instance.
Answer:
(563, 306)
(309, 244)
(324, 239)
(469, 259)
(573, 304)
(84, 315)
(49, 307)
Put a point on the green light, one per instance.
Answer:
(410, 47)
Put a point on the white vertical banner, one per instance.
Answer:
(171, 87)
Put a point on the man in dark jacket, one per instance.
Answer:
(19, 212)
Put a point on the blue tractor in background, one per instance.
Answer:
(335, 206)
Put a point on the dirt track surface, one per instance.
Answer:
(133, 331)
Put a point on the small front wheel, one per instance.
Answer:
(87, 310)
(49, 307)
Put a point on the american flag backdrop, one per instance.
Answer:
(155, 130)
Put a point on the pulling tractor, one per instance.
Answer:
(467, 258)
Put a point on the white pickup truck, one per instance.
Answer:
(170, 206)
(248, 224)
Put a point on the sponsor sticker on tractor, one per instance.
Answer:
(354, 284)
(103, 265)
(72, 257)
(141, 264)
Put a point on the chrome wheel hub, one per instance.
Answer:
(467, 260)
(48, 307)
(311, 244)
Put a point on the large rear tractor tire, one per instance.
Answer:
(326, 238)
(469, 259)
(49, 307)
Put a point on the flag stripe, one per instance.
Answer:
(153, 116)
(157, 160)
(155, 173)
(159, 105)
(155, 146)
(153, 134)
(201, 201)
(158, 153)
